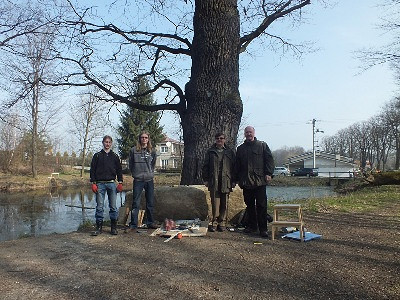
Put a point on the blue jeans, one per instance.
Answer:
(138, 187)
(111, 189)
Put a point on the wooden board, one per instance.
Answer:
(194, 231)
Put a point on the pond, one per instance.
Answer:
(41, 213)
(291, 193)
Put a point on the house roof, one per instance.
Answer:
(167, 139)
(320, 154)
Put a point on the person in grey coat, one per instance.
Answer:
(218, 176)
(142, 160)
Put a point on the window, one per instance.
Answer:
(175, 163)
(164, 149)
(164, 163)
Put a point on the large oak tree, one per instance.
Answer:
(187, 50)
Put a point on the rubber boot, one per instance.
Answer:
(99, 228)
(114, 227)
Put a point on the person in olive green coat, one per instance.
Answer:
(218, 176)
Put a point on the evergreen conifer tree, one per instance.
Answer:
(134, 121)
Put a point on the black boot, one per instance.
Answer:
(99, 228)
(114, 227)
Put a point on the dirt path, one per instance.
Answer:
(357, 258)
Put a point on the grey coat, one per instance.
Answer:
(141, 164)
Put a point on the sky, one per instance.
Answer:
(282, 95)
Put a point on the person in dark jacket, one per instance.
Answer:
(254, 168)
(104, 168)
(142, 160)
(218, 176)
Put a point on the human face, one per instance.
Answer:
(249, 133)
(107, 143)
(144, 139)
(219, 141)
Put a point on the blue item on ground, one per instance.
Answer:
(307, 236)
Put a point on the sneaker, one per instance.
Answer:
(211, 228)
(220, 228)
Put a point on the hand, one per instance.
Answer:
(119, 187)
(94, 188)
(268, 178)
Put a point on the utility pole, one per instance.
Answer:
(314, 131)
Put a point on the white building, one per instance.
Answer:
(169, 154)
(328, 164)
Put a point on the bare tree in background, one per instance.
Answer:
(89, 116)
(23, 68)
(281, 156)
(21, 18)
(389, 53)
(10, 135)
(391, 115)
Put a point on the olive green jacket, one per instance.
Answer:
(210, 169)
(253, 161)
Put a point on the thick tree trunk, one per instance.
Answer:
(212, 94)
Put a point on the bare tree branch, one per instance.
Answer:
(280, 12)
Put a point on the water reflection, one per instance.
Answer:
(39, 213)
(291, 193)
(61, 211)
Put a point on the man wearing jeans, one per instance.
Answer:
(142, 160)
(104, 168)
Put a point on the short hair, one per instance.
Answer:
(218, 134)
(107, 137)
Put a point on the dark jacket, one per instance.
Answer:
(105, 167)
(210, 169)
(141, 164)
(253, 161)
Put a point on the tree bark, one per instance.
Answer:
(212, 94)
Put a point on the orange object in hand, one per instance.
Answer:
(94, 188)
(119, 187)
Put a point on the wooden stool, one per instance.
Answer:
(282, 223)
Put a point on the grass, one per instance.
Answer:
(368, 199)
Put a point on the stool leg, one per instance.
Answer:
(301, 233)
(273, 232)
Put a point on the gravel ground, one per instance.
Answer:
(357, 258)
